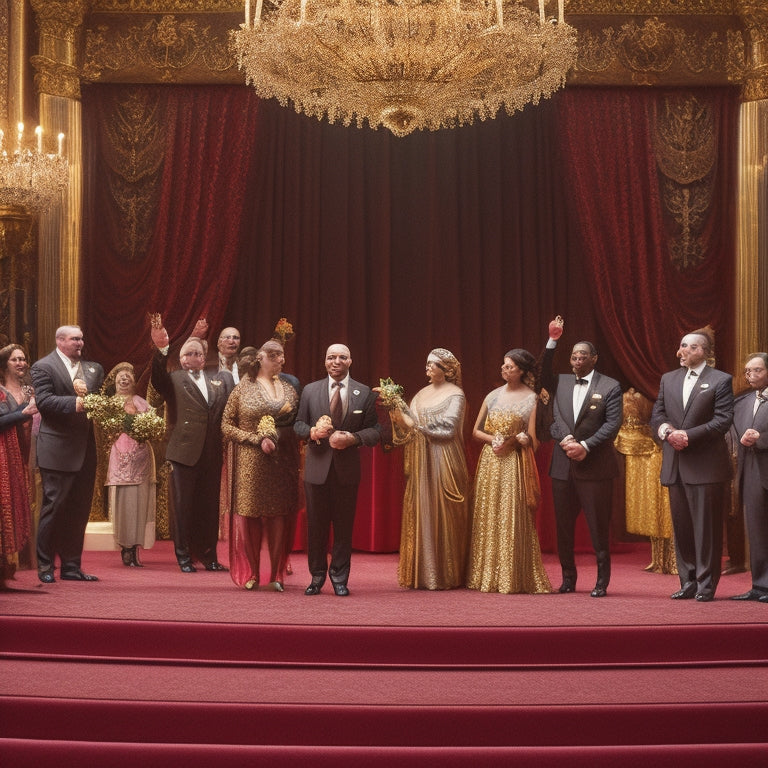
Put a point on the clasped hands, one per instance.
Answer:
(337, 439)
(574, 450)
(678, 439)
(750, 437)
(501, 446)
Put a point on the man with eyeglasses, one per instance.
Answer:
(66, 454)
(750, 429)
(195, 400)
(587, 417)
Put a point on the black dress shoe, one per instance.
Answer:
(340, 590)
(732, 569)
(188, 568)
(686, 592)
(762, 599)
(78, 576)
(46, 577)
(313, 589)
(126, 554)
(704, 597)
(567, 586)
(751, 595)
(598, 592)
(215, 566)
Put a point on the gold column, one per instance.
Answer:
(58, 84)
(752, 236)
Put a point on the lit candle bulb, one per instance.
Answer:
(542, 18)
(39, 134)
(61, 144)
(2, 139)
(500, 13)
(20, 136)
(247, 13)
(303, 11)
(561, 11)
(257, 18)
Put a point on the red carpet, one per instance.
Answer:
(155, 667)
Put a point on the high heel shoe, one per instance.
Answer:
(251, 584)
(277, 586)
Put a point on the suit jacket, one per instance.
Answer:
(194, 423)
(597, 425)
(707, 418)
(64, 433)
(360, 419)
(743, 419)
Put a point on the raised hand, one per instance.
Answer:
(556, 328)
(201, 328)
(159, 334)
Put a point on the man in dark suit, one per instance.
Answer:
(750, 428)
(587, 417)
(691, 417)
(336, 415)
(195, 402)
(66, 454)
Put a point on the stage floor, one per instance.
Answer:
(160, 592)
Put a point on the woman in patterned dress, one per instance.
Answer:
(263, 465)
(435, 524)
(505, 555)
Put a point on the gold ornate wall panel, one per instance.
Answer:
(631, 42)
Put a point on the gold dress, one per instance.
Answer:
(262, 492)
(505, 555)
(434, 532)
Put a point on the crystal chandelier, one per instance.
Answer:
(31, 178)
(404, 64)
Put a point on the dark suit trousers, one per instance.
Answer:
(64, 512)
(195, 520)
(755, 499)
(330, 504)
(595, 497)
(697, 519)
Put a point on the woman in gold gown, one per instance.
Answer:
(263, 465)
(435, 524)
(505, 555)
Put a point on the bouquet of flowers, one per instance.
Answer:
(109, 413)
(144, 426)
(266, 428)
(390, 394)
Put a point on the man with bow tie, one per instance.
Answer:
(66, 454)
(750, 430)
(195, 402)
(587, 417)
(691, 417)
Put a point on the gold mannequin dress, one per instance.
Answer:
(435, 524)
(505, 555)
(647, 502)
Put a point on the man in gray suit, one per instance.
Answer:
(691, 417)
(750, 428)
(587, 417)
(195, 401)
(66, 454)
(336, 415)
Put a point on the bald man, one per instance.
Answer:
(332, 464)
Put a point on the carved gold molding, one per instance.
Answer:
(160, 49)
(755, 15)
(647, 7)
(167, 6)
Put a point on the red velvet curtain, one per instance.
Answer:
(646, 304)
(469, 239)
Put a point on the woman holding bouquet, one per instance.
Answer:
(131, 471)
(505, 555)
(435, 524)
(263, 465)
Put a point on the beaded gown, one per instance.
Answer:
(434, 534)
(505, 555)
(263, 489)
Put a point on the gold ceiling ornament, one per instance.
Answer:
(404, 64)
(30, 177)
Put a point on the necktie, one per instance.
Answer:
(336, 409)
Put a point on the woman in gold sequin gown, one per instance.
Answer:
(435, 523)
(262, 465)
(505, 555)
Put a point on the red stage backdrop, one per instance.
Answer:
(203, 201)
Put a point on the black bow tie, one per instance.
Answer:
(579, 381)
(693, 374)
